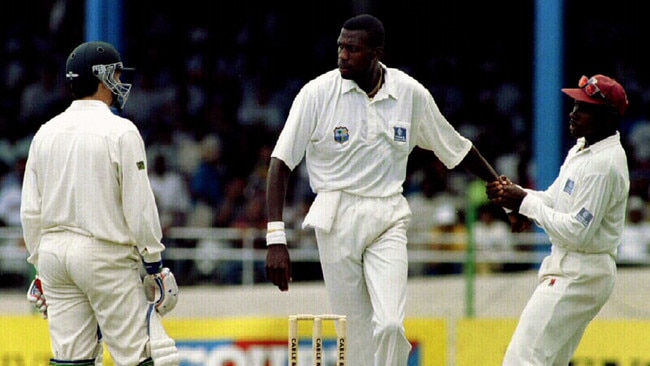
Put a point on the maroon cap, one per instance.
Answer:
(600, 89)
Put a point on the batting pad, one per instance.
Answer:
(161, 346)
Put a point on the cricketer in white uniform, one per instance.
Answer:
(355, 127)
(90, 220)
(583, 213)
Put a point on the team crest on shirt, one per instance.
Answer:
(568, 186)
(140, 165)
(341, 134)
(399, 134)
(584, 217)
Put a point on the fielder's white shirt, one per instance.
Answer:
(86, 173)
(360, 145)
(584, 209)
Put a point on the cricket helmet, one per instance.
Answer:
(93, 62)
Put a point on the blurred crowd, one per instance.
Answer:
(212, 88)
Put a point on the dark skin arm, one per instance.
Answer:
(518, 222)
(278, 262)
(476, 164)
(502, 192)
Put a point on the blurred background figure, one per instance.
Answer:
(13, 266)
(434, 209)
(259, 108)
(10, 192)
(242, 95)
(207, 183)
(449, 234)
(41, 96)
(174, 206)
(172, 193)
(635, 245)
(493, 239)
(153, 104)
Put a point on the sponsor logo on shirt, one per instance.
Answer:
(341, 134)
(568, 187)
(400, 134)
(584, 217)
(140, 165)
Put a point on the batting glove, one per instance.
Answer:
(36, 296)
(161, 290)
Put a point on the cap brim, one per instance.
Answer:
(580, 95)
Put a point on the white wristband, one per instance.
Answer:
(275, 233)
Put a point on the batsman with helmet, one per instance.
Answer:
(91, 225)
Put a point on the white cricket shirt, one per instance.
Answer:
(360, 145)
(584, 209)
(86, 173)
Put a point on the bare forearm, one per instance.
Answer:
(276, 188)
(476, 164)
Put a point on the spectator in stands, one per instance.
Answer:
(258, 108)
(172, 193)
(43, 98)
(433, 207)
(10, 194)
(12, 270)
(253, 216)
(152, 104)
(233, 203)
(450, 235)
(174, 206)
(208, 182)
(493, 239)
(635, 245)
(241, 211)
(256, 179)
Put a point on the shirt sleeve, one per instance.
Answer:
(577, 226)
(436, 133)
(140, 210)
(547, 197)
(295, 135)
(30, 210)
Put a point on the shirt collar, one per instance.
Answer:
(88, 104)
(349, 85)
(614, 139)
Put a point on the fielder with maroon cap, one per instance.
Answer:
(583, 213)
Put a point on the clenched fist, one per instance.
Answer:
(504, 193)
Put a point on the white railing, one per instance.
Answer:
(13, 255)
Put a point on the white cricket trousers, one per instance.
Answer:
(572, 289)
(89, 282)
(365, 268)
